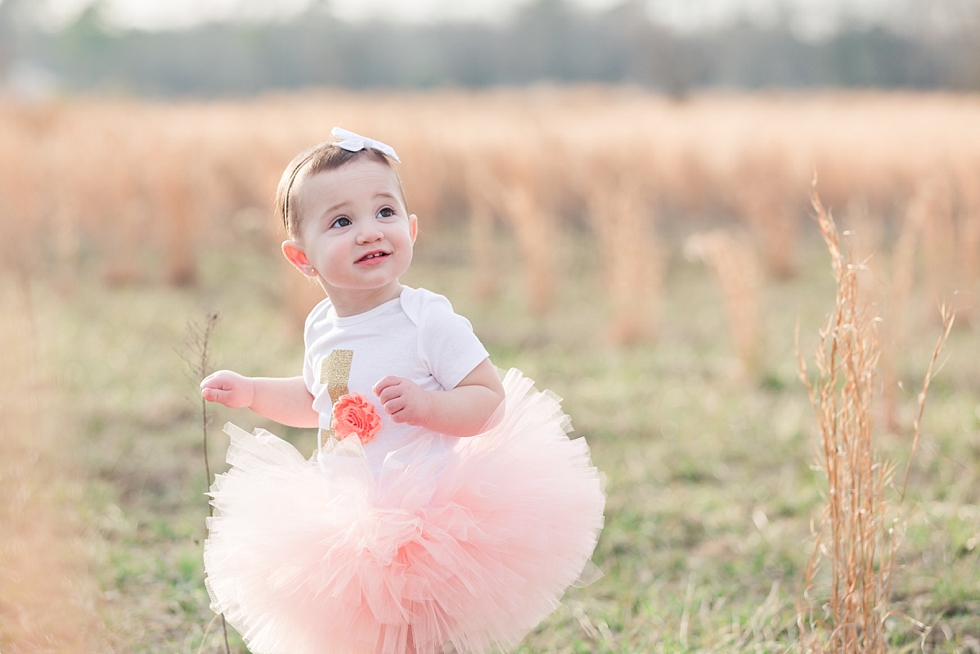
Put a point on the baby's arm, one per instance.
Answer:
(283, 399)
(463, 411)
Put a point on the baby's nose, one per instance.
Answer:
(370, 233)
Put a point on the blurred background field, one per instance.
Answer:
(645, 260)
(639, 242)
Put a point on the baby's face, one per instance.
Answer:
(354, 227)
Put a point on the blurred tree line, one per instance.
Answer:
(547, 40)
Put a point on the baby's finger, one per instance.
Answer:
(216, 384)
(390, 393)
(215, 395)
(407, 414)
(385, 382)
(393, 407)
(219, 379)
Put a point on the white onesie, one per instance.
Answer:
(416, 336)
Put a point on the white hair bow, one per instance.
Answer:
(355, 143)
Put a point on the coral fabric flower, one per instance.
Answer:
(353, 414)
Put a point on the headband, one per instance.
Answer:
(355, 143)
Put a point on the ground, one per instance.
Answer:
(710, 471)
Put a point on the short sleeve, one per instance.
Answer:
(448, 348)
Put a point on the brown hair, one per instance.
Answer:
(322, 157)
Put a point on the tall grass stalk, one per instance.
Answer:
(176, 207)
(864, 532)
(199, 343)
(846, 358)
(940, 239)
(765, 195)
(738, 272)
(482, 189)
(623, 222)
(948, 316)
(535, 228)
(901, 280)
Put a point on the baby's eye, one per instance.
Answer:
(387, 212)
(343, 221)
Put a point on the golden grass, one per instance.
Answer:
(859, 531)
(481, 189)
(142, 187)
(170, 192)
(858, 547)
(710, 489)
(533, 224)
(736, 269)
(47, 600)
(766, 197)
(632, 255)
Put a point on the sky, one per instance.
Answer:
(813, 18)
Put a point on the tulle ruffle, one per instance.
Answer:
(473, 548)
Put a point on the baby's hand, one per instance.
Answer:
(228, 388)
(403, 400)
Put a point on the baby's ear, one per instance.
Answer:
(413, 226)
(295, 254)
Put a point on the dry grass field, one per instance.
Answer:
(647, 260)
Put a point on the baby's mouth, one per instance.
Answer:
(372, 255)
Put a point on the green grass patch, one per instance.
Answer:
(709, 475)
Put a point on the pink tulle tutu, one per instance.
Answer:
(473, 548)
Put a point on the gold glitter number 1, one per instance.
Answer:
(335, 373)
